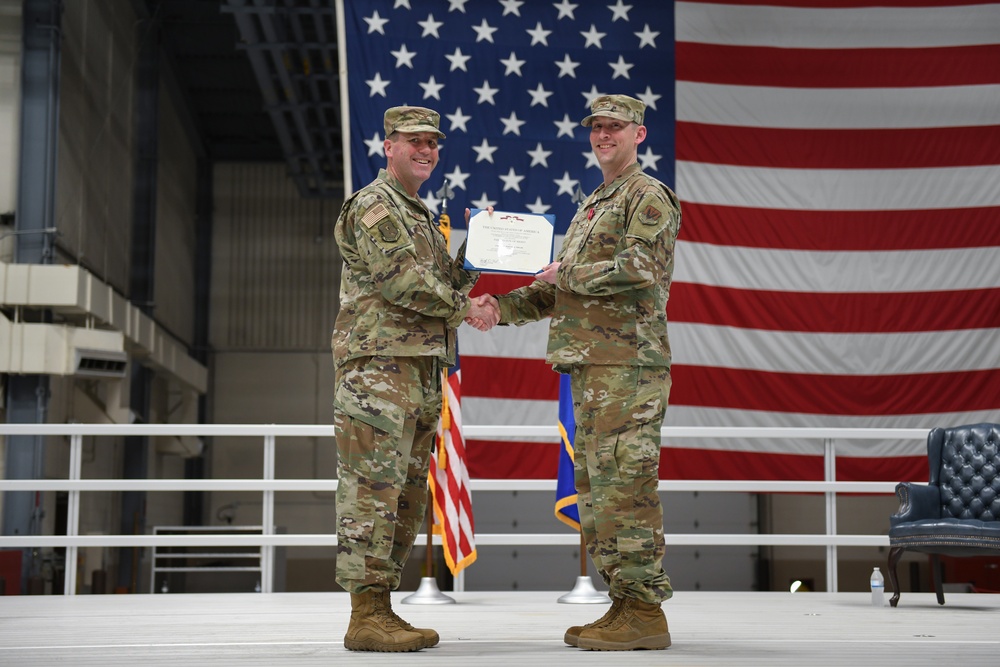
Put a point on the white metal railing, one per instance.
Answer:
(267, 485)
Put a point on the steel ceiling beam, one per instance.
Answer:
(295, 65)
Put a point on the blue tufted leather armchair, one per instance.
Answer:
(958, 512)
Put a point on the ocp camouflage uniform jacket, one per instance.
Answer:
(610, 307)
(401, 293)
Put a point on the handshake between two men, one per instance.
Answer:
(484, 312)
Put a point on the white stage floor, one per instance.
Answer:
(495, 628)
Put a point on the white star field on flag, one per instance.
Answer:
(512, 81)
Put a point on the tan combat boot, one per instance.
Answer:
(638, 625)
(573, 634)
(431, 638)
(373, 627)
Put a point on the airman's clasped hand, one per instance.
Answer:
(484, 312)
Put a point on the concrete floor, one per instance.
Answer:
(494, 628)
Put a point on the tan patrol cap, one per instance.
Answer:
(621, 107)
(412, 119)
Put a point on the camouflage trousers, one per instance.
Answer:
(386, 411)
(619, 411)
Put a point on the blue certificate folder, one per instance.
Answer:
(519, 243)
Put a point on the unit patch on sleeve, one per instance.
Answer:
(390, 233)
(651, 215)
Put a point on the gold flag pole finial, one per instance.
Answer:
(444, 220)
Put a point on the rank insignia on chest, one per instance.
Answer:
(389, 231)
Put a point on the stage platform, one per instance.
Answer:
(523, 629)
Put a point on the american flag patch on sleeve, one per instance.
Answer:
(374, 214)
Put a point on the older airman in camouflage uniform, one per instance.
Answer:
(607, 296)
(402, 297)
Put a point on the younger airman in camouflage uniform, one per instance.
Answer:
(402, 297)
(607, 296)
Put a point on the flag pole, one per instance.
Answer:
(429, 551)
(428, 591)
(583, 591)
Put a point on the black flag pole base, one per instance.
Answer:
(428, 593)
(584, 593)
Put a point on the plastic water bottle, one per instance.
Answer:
(878, 588)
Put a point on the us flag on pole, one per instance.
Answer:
(838, 164)
(449, 481)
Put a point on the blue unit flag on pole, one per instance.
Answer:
(566, 509)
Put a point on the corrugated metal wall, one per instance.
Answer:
(96, 162)
(10, 104)
(94, 199)
(176, 220)
(276, 271)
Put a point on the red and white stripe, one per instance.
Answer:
(839, 263)
(449, 482)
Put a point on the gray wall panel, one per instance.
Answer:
(93, 207)
(176, 236)
(276, 270)
(10, 102)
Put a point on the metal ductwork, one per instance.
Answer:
(292, 48)
(68, 348)
(100, 363)
(59, 349)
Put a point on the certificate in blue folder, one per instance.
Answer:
(503, 242)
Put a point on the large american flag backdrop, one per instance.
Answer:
(838, 164)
